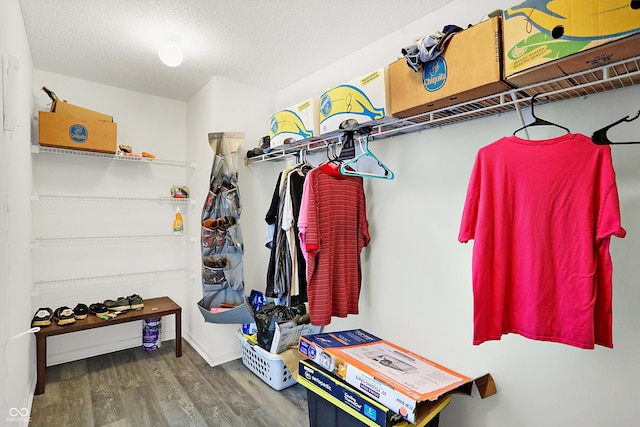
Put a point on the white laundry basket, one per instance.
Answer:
(267, 366)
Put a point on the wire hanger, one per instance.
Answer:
(538, 121)
(346, 168)
(331, 153)
(600, 136)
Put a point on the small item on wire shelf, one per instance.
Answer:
(180, 192)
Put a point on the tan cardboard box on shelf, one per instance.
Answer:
(552, 39)
(397, 378)
(77, 128)
(469, 68)
(61, 131)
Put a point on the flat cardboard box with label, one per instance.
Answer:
(551, 39)
(327, 395)
(469, 68)
(397, 378)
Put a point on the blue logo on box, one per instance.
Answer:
(370, 412)
(78, 133)
(325, 106)
(434, 75)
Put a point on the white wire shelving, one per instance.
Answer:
(604, 78)
(42, 242)
(98, 198)
(41, 149)
(80, 283)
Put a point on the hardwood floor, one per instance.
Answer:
(138, 388)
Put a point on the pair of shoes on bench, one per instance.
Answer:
(98, 309)
(132, 302)
(42, 317)
(81, 311)
(64, 316)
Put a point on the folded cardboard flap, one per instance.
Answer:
(486, 386)
(78, 113)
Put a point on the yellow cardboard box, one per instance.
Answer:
(297, 122)
(363, 99)
(469, 68)
(546, 39)
(59, 130)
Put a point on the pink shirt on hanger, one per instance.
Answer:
(333, 231)
(541, 213)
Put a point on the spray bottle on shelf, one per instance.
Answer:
(178, 225)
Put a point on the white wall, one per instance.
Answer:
(225, 106)
(17, 372)
(148, 266)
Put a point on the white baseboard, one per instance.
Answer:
(111, 346)
(17, 419)
(216, 360)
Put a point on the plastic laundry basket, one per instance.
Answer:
(267, 366)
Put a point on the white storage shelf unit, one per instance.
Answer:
(88, 248)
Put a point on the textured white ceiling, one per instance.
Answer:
(267, 44)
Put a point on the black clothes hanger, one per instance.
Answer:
(538, 121)
(600, 137)
(348, 150)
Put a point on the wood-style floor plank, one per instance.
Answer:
(139, 388)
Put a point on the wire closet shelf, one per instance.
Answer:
(604, 78)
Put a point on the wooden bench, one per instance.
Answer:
(154, 307)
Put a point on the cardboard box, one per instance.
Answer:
(328, 394)
(288, 334)
(78, 113)
(469, 68)
(363, 99)
(554, 38)
(395, 377)
(297, 122)
(58, 130)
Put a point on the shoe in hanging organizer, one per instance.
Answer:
(42, 317)
(64, 316)
(81, 311)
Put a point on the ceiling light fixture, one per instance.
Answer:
(170, 50)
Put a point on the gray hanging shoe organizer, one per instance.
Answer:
(221, 237)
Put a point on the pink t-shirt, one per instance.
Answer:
(541, 213)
